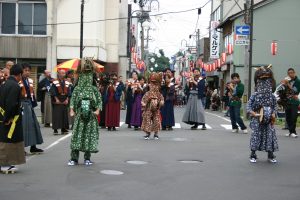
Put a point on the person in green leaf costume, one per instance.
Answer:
(85, 105)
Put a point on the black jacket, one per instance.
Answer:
(10, 93)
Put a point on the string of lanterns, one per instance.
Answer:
(140, 64)
(218, 63)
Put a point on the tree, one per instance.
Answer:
(158, 62)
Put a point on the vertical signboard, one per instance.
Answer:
(214, 40)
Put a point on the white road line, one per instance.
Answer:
(177, 125)
(228, 120)
(226, 126)
(58, 141)
(52, 145)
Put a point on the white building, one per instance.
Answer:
(52, 32)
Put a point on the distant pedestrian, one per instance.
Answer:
(237, 91)
(11, 131)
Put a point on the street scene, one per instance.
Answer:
(149, 99)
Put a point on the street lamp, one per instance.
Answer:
(184, 40)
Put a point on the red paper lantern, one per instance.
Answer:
(202, 65)
(230, 49)
(206, 67)
(224, 57)
(274, 48)
(219, 62)
(214, 66)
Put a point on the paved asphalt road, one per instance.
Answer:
(223, 173)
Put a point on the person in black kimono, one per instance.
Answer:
(11, 131)
(129, 97)
(194, 113)
(60, 93)
(104, 82)
(31, 128)
(44, 97)
(168, 92)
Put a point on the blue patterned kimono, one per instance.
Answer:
(263, 137)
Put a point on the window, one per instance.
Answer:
(8, 18)
(31, 18)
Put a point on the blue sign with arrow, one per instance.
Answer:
(242, 30)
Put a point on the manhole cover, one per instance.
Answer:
(191, 161)
(136, 162)
(111, 172)
(179, 139)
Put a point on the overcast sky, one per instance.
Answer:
(170, 29)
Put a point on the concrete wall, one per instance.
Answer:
(68, 35)
(123, 59)
(230, 7)
(112, 30)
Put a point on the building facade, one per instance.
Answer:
(46, 32)
(272, 21)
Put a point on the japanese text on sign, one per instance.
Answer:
(214, 40)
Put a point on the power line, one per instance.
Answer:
(103, 20)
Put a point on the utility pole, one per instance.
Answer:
(81, 29)
(129, 36)
(198, 44)
(248, 55)
(142, 42)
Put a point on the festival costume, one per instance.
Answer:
(194, 113)
(152, 102)
(44, 87)
(61, 90)
(85, 100)
(263, 103)
(167, 110)
(31, 128)
(136, 113)
(113, 105)
(11, 136)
